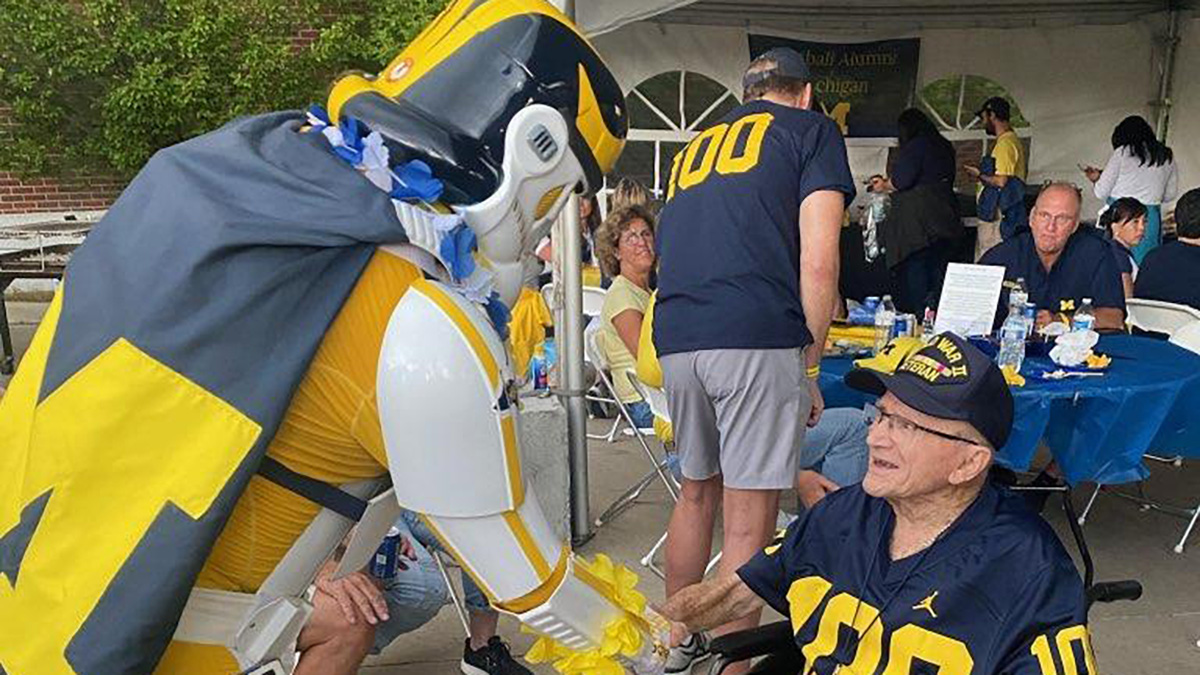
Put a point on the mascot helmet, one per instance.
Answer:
(512, 109)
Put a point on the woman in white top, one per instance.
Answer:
(1142, 168)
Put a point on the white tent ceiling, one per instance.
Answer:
(601, 16)
(1073, 85)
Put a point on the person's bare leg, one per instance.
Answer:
(689, 536)
(749, 523)
(330, 645)
(482, 626)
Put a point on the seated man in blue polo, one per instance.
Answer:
(926, 566)
(1061, 263)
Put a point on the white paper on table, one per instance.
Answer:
(970, 294)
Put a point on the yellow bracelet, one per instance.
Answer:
(813, 371)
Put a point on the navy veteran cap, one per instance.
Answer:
(788, 63)
(951, 379)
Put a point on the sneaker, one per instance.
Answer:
(493, 657)
(689, 652)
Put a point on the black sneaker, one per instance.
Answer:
(493, 657)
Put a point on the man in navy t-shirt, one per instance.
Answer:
(1171, 272)
(926, 566)
(748, 244)
(1061, 263)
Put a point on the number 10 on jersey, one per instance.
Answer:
(717, 147)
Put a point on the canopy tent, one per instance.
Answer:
(597, 18)
(1074, 67)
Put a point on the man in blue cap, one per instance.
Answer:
(926, 565)
(748, 243)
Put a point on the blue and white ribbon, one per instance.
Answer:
(410, 181)
(446, 236)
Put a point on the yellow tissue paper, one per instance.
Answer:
(1012, 377)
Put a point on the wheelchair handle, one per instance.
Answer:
(1111, 591)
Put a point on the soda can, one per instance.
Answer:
(900, 326)
(387, 557)
(537, 373)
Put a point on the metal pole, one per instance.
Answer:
(572, 370)
(571, 339)
(1168, 75)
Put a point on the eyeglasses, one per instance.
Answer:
(894, 423)
(632, 237)
(1061, 220)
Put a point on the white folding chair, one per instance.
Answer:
(1158, 316)
(456, 595)
(600, 390)
(593, 301)
(1186, 334)
(657, 399)
(596, 356)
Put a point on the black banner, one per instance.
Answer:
(863, 86)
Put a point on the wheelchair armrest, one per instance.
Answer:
(747, 644)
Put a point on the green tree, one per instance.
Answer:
(100, 85)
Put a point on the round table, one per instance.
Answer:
(1098, 428)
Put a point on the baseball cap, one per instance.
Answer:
(997, 105)
(951, 379)
(788, 63)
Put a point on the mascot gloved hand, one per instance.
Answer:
(276, 321)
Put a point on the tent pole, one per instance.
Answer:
(1163, 104)
(571, 356)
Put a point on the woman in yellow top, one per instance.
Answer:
(625, 245)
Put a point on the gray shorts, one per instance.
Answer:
(740, 413)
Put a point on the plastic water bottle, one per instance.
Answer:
(1012, 339)
(885, 316)
(927, 324)
(1018, 296)
(875, 213)
(1085, 317)
(1030, 318)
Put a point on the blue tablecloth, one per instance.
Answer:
(1098, 428)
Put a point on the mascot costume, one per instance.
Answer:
(294, 324)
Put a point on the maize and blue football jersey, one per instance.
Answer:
(995, 594)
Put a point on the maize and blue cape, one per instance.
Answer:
(156, 380)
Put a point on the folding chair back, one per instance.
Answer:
(1188, 337)
(1158, 316)
(593, 300)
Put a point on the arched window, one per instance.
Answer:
(951, 103)
(665, 112)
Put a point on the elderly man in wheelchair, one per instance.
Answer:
(927, 566)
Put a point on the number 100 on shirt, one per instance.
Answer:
(729, 148)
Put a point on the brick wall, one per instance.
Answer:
(62, 193)
(81, 193)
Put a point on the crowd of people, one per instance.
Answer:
(738, 341)
(727, 289)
